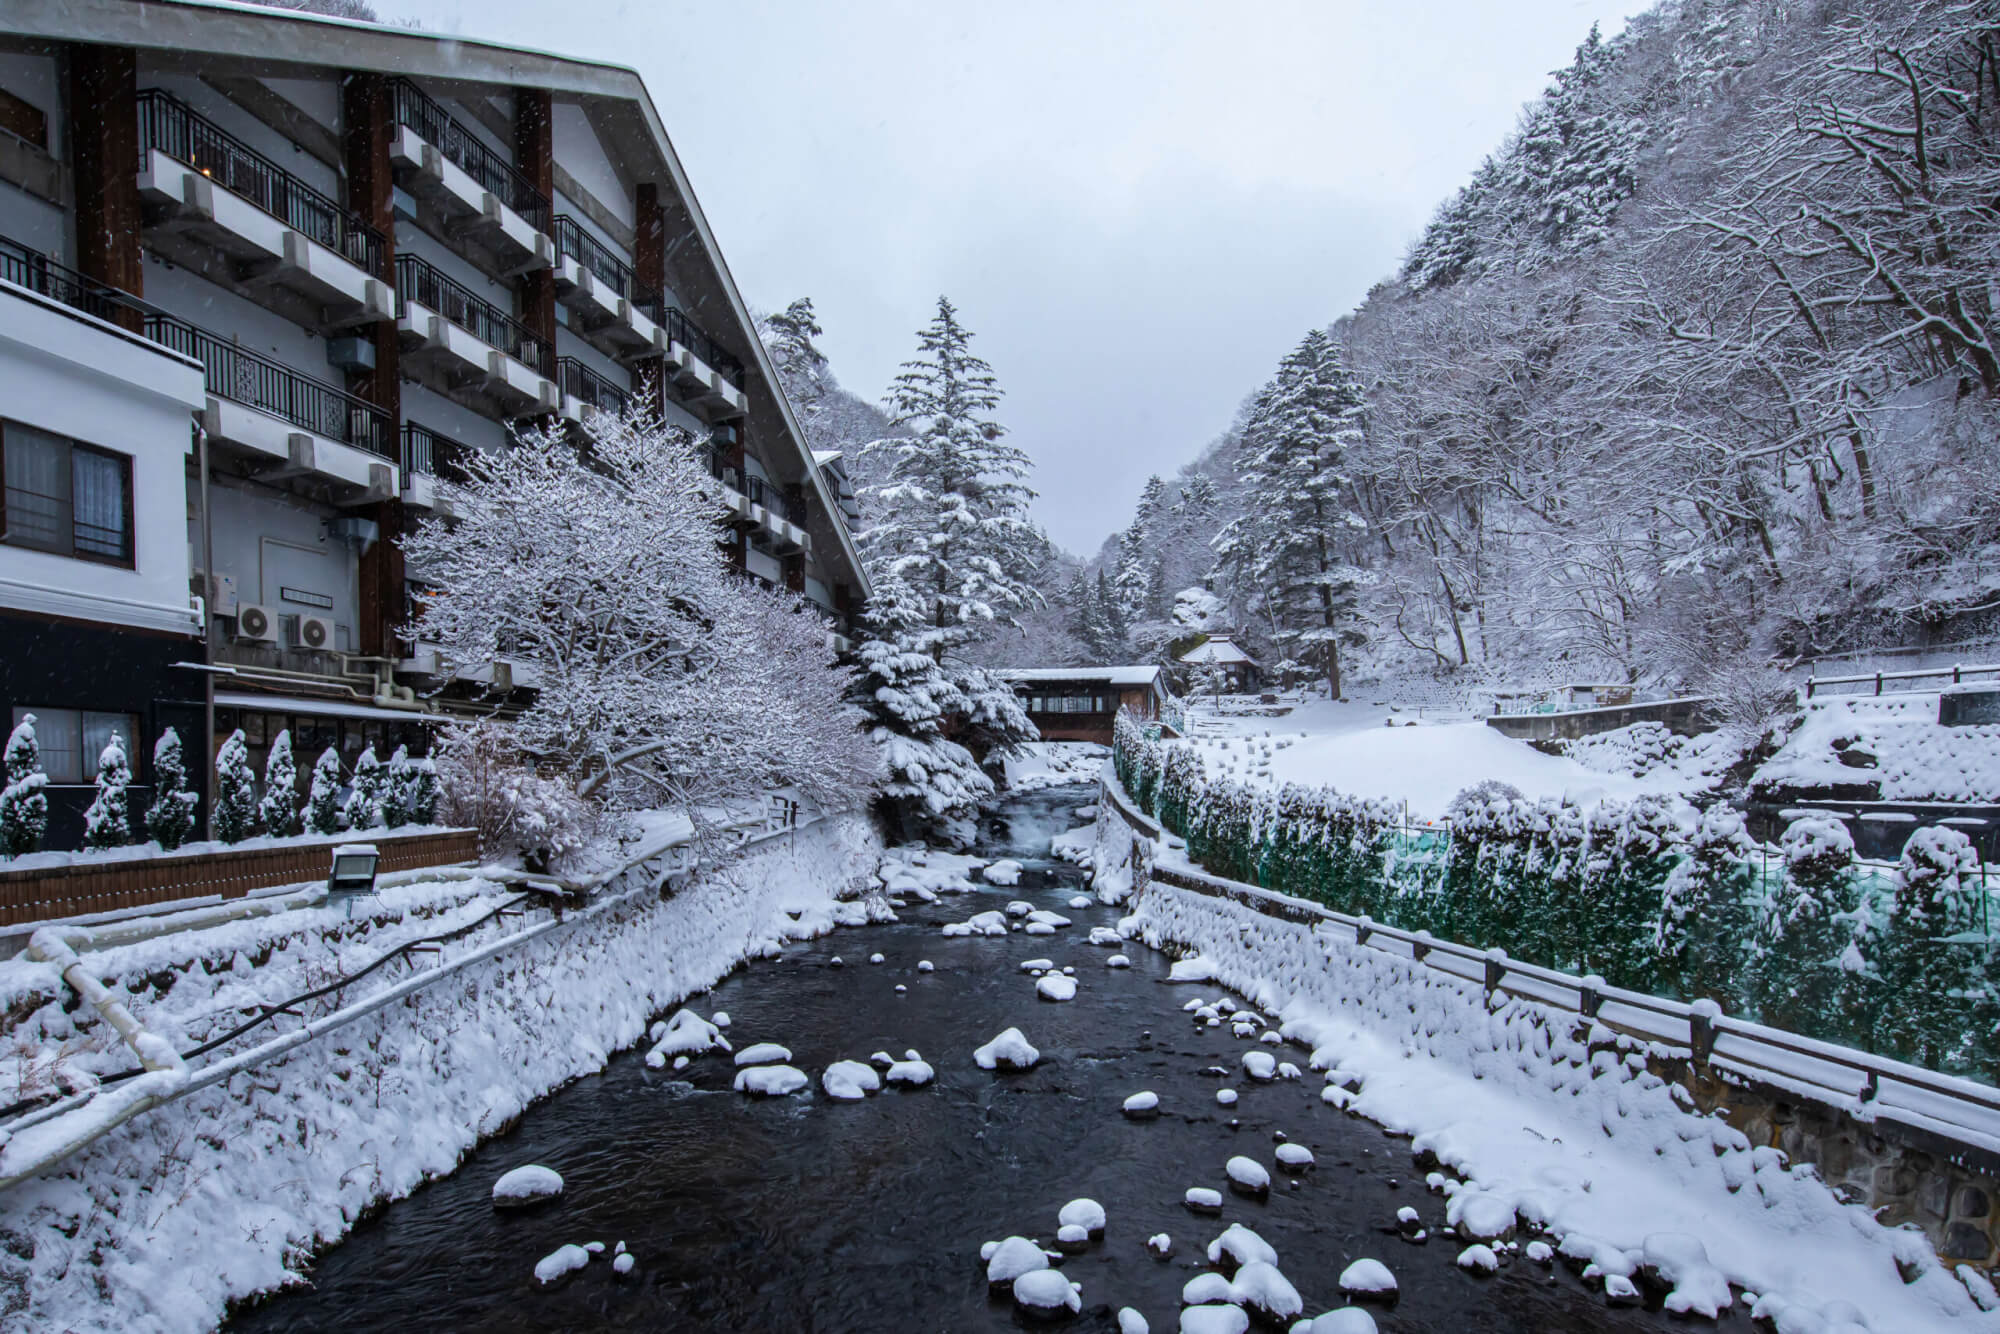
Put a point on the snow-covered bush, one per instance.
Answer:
(1801, 973)
(488, 785)
(423, 801)
(1704, 921)
(280, 807)
(398, 788)
(323, 799)
(24, 802)
(1749, 698)
(235, 815)
(364, 799)
(170, 819)
(1930, 1002)
(108, 821)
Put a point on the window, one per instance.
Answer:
(65, 497)
(72, 739)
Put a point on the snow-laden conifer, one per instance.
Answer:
(280, 807)
(323, 799)
(364, 799)
(398, 788)
(107, 822)
(24, 801)
(170, 820)
(235, 791)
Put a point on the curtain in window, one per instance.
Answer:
(56, 738)
(38, 489)
(100, 504)
(97, 732)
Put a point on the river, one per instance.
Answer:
(808, 1214)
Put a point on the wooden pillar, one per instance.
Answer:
(649, 265)
(368, 125)
(102, 90)
(535, 156)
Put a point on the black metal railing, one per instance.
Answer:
(173, 127)
(417, 281)
(256, 381)
(416, 109)
(587, 386)
(691, 336)
(434, 455)
(604, 265)
(38, 273)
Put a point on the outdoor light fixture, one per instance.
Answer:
(353, 874)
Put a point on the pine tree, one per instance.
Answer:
(1299, 516)
(398, 782)
(280, 807)
(364, 802)
(235, 791)
(423, 791)
(1197, 496)
(953, 534)
(108, 821)
(323, 801)
(24, 802)
(170, 820)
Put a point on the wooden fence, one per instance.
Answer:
(92, 885)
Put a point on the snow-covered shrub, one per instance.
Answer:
(323, 799)
(280, 807)
(398, 788)
(1929, 1000)
(24, 802)
(1749, 698)
(1805, 954)
(1704, 922)
(487, 785)
(235, 791)
(364, 798)
(423, 801)
(170, 819)
(108, 821)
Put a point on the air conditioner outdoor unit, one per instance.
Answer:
(256, 622)
(313, 632)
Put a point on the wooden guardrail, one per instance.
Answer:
(1962, 1111)
(1891, 682)
(93, 885)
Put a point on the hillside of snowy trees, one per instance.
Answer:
(1696, 370)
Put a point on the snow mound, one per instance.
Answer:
(1679, 1263)
(1191, 969)
(1481, 1216)
(525, 1186)
(1368, 1280)
(850, 1081)
(686, 1034)
(1011, 1258)
(1260, 1066)
(1294, 1157)
(1238, 1246)
(1203, 1200)
(1010, 1050)
(762, 1053)
(559, 1264)
(1019, 908)
(1056, 987)
(1118, 961)
(770, 1081)
(1045, 1292)
(1105, 935)
(912, 1070)
(1204, 1288)
(989, 923)
(1037, 965)
(1142, 1105)
(1267, 1293)
(1003, 872)
(1160, 1244)
(1086, 1214)
(1214, 1320)
(1478, 1259)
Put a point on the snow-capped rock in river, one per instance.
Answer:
(1260, 1066)
(1191, 969)
(1056, 987)
(1347, 1320)
(1010, 1050)
(913, 1071)
(1238, 1246)
(1368, 1280)
(989, 923)
(1045, 1293)
(559, 1264)
(1214, 1320)
(850, 1081)
(1478, 1259)
(1081, 901)
(525, 1186)
(1202, 1200)
(1012, 1258)
(1019, 908)
(1117, 961)
(1083, 1213)
(1294, 1157)
(1143, 1105)
(1267, 1293)
(1037, 965)
(770, 1081)
(1105, 935)
(686, 1034)
(1006, 871)
(762, 1053)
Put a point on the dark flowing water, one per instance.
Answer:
(808, 1214)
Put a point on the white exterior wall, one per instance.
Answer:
(268, 540)
(239, 123)
(33, 222)
(451, 420)
(35, 80)
(317, 98)
(583, 157)
(64, 372)
(234, 318)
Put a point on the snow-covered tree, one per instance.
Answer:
(952, 535)
(1931, 1006)
(423, 791)
(235, 810)
(24, 801)
(1292, 543)
(488, 784)
(280, 806)
(664, 676)
(398, 788)
(170, 820)
(1704, 917)
(1805, 951)
(364, 797)
(323, 799)
(107, 823)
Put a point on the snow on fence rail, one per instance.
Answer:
(95, 885)
(1957, 673)
(1857, 1082)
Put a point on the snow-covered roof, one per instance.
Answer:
(1115, 676)
(1219, 650)
(822, 457)
(326, 708)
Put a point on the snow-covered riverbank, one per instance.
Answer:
(226, 1193)
(1574, 1136)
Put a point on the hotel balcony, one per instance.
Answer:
(473, 346)
(607, 305)
(426, 457)
(585, 393)
(480, 194)
(208, 191)
(706, 375)
(756, 505)
(294, 425)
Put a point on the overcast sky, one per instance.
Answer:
(1138, 208)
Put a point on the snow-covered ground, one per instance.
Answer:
(1894, 743)
(226, 1192)
(1375, 751)
(1054, 764)
(1565, 1131)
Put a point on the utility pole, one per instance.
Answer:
(207, 631)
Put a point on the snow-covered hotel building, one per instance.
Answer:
(330, 258)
